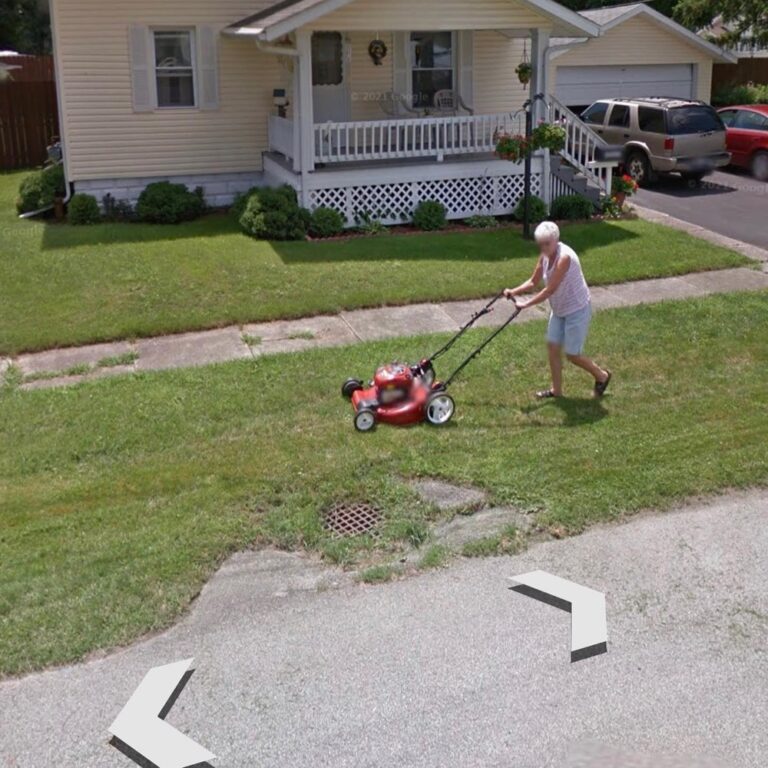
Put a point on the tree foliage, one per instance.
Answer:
(25, 26)
(743, 19)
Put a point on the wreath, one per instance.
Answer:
(377, 50)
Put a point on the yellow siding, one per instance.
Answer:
(404, 15)
(367, 82)
(107, 139)
(495, 84)
(640, 41)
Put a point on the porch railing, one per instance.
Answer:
(280, 134)
(436, 137)
(582, 146)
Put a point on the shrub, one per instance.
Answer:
(83, 209)
(326, 222)
(571, 207)
(368, 224)
(162, 202)
(117, 210)
(537, 209)
(429, 215)
(274, 214)
(38, 190)
(755, 93)
(482, 222)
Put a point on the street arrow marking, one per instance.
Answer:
(589, 629)
(140, 725)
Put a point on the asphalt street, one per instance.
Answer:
(298, 666)
(730, 203)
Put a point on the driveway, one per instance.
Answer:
(298, 666)
(729, 203)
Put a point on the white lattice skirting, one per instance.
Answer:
(391, 194)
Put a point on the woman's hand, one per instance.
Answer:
(509, 293)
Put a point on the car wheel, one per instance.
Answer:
(760, 166)
(365, 420)
(350, 386)
(639, 168)
(440, 409)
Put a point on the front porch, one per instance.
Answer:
(389, 190)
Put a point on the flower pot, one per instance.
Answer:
(620, 198)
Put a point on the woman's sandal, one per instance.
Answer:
(601, 386)
(544, 394)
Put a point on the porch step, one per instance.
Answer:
(576, 181)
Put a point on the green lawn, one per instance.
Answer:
(121, 496)
(63, 285)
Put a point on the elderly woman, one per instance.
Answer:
(565, 287)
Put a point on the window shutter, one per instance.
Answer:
(401, 83)
(208, 70)
(140, 68)
(466, 63)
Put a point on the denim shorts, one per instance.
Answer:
(570, 331)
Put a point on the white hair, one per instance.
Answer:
(545, 230)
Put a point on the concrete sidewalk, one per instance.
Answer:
(60, 367)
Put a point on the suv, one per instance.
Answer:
(662, 136)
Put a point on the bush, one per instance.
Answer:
(571, 207)
(741, 94)
(537, 209)
(482, 222)
(38, 190)
(326, 222)
(429, 215)
(165, 203)
(274, 214)
(83, 209)
(117, 210)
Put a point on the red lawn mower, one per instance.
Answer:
(403, 394)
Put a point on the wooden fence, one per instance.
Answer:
(28, 111)
(725, 75)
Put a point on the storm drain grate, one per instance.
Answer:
(352, 519)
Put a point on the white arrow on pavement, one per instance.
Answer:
(139, 726)
(589, 629)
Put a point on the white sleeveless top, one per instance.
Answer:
(573, 293)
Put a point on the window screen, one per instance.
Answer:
(432, 66)
(327, 58)
(174, 71)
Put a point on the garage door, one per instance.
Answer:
(583, 85)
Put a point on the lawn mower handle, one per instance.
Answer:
(464, 328)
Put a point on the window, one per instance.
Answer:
(728, 116)
(596, 113)
(619, 116)
(651, 120)
(327, 58)
(682, 120)
(751, 121)
(174, 70)
(431, 66)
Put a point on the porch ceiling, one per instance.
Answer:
(276, 20)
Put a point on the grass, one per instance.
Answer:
(121, 496)
(506, 542)
(63, 285)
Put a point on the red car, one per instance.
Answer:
(747, 137)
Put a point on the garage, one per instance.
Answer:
(639, 52)
(580, 86)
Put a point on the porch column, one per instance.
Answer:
(540, 84)
(306, 117)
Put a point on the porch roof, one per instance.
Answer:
(278, 19)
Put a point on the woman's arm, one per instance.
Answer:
(530, 284)
(557, 277)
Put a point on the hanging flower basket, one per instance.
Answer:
(524, 72)
(513, 147)
(516, 147)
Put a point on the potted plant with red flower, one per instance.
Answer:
(511, 146)
(622, 187)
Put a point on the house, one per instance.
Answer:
(334, 97)
(639, 52)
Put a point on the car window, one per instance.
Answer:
(651, 120)
(694, 119)
(728, 116)
(596, 113)
(751, 121)
(619, 116)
